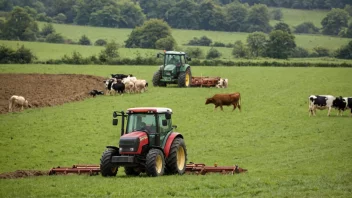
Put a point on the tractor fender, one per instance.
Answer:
(113, 147)
(184, 68)
(169, 141)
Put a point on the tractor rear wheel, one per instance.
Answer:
(155, 163)
(156, 80)
(185, 78)
(131, 171)
(106, 167)
(176, 162)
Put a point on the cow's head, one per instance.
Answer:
(209, 100)
(339, 102)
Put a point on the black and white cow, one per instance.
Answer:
(120, 76)
(343, 103)
(118, 87)
(95, 92)
(108, 84)
(320, 102)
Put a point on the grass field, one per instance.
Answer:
(287, 153)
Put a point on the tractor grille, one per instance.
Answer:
(129, 144)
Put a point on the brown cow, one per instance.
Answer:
(225, 99)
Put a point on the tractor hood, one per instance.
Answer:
(169, 67)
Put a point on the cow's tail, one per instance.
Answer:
(239, 103)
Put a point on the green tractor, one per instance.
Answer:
(175, 70)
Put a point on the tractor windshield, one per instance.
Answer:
(172, 59)
(140, 122)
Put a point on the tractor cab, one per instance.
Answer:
(175, 69)
(147, 144)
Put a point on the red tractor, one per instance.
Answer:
(147, 145)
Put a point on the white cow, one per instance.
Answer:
(140, 86)
(223, 83)
(18, 101)
(320, 102)
(129, 87)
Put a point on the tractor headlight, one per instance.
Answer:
(131, 149)
(120, 149)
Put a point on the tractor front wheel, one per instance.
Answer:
(185, 78)
(156, 79)
(155, 163)
(176, 162)
(106, 167)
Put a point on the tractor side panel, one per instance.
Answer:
(169, 141)
(184, 68)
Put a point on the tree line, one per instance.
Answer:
(219, 15)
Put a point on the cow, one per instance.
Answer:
(320, 102)
(118, 87)
(95, 92)
(129, 78)
(129, 87)
(223, 83)
(225, 99)
(120, 76)
(18, 101)
(342, 103)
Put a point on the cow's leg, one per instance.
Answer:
(221, 108)
(329, 111)
(21, 107)
(10, 106)
(216, 106)
(234, 106)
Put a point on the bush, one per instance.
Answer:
(203, 41)
(60, 18)
(219, 44)
(321, 51)
(213, 53)
(21, 55)
(55, 38)
(276, 14)
(100, 42)
(110, 52)
(299, 52)
(47, 29)
(167, 43)
(44, 17)
(76, 59)
(344, 52)
(84, 40)
(194, 52)
(307, 28)
(239, 50)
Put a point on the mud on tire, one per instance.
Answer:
(106, 167)
(176, 162)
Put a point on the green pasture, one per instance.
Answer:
(294, 17)
(287, 153)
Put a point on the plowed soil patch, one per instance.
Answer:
(43, 90)
(23, 173)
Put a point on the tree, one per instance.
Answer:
(147, 35)
(180, 16)
(47, 29)
(306, 27)
(100, 42)
(110, 51)
(109, 16)
(131, 15)
(334, 21)
(344, 52)
(276, 14)
(280, 44)
(194, 52)
(256, 43)
(283, 27)
(54, 38)
(156, 8)
(60, 18)
(239, 50)
(84, 40)
(348, 8)
(236, 15)
(213, 53)
(258, 18)
(168, 43)
(20, 25)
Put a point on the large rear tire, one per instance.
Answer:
(156, 79)
(131, 171)
(106, 167)
(155, 163)
(185, 78)
(176, 162)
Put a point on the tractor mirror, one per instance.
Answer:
(168, 115)
(158, 55)
(164, 122)
(174, 126)
(115, 121)
(114, 114)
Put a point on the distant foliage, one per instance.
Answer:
(276, 14)
(213, 53)
(202, 41)
(239, 50)
(283, 27)
(148, 34)
(321, 51)
(47, 29)
(22, 55)
(100, 42)
(54, 38)
(280, 44)
(344, 52)
(84, 40)
(256, 43)
(299, 52)
(334, 21)
(167, 43)
(195, 52)
(307, 28)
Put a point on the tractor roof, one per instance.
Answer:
(149, 110)
(175, 52)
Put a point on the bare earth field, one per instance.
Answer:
(43, 90)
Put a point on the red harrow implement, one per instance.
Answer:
(192, 168)
(204, 81)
